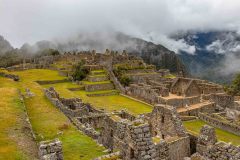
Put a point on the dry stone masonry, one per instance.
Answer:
(51, 150)
(159, 135)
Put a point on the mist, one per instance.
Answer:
(152, 20)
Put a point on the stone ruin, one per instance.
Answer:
(146, 137)
(208, 148)
(11, 76)
(51, 150)
(160, 134)
(72, 107)
(29, 94)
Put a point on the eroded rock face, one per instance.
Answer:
(51, 150)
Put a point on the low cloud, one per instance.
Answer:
(31, 21)
(226, 44)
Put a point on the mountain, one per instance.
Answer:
(216, 57)
(151, 53)
(5, 46)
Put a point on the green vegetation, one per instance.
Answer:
(49, 52)
(170, 76)
(109, 103)
(124, 80)
(234, 88)
(47, 121)
(12, 127)
(195, 126)
(98, 72)
(79, 71)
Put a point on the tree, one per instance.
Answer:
(79, 71)
(234, 88)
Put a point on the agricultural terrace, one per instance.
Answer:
(15, 135)
(47, 121)
(109, 103)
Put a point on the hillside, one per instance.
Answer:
(150, 52)
(4, 45)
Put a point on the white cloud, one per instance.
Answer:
(227, 43)
(30, 21)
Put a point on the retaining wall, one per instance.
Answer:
(219, 124)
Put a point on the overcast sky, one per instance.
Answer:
(33, 20)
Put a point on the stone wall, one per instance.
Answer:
(138, 143)
(98, 87)
(52, 81)
(180, 102)
(50, 150)
(203, 107)
(145, 93)
(97, 78)
(115, 81)
(222, 100)
(222, 151)
(220, 124)
(85, 128)
(179, 148)
(165, 121)
(209, 148)
(112, 156)
(70, 107)
(11, 76)
(163, 150)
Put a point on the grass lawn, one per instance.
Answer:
(115, 102)
(47, 121)
(195, 126)
(15, 140)
(109, 103)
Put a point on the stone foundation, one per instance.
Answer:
(50, 150)
(220, 124)
(99, 87)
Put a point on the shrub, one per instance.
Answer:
(125, 81)
(79, 71)
(234, 87)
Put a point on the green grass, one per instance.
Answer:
(12, 133)
(47, 120)
(109, 103)
(170, 76)
(195, 126)
(98, 72)
(98, 75)
(116, 103)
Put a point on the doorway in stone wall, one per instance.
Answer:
(132, 156)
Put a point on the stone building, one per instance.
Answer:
(185, 87)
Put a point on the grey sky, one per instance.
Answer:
(33, 20)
